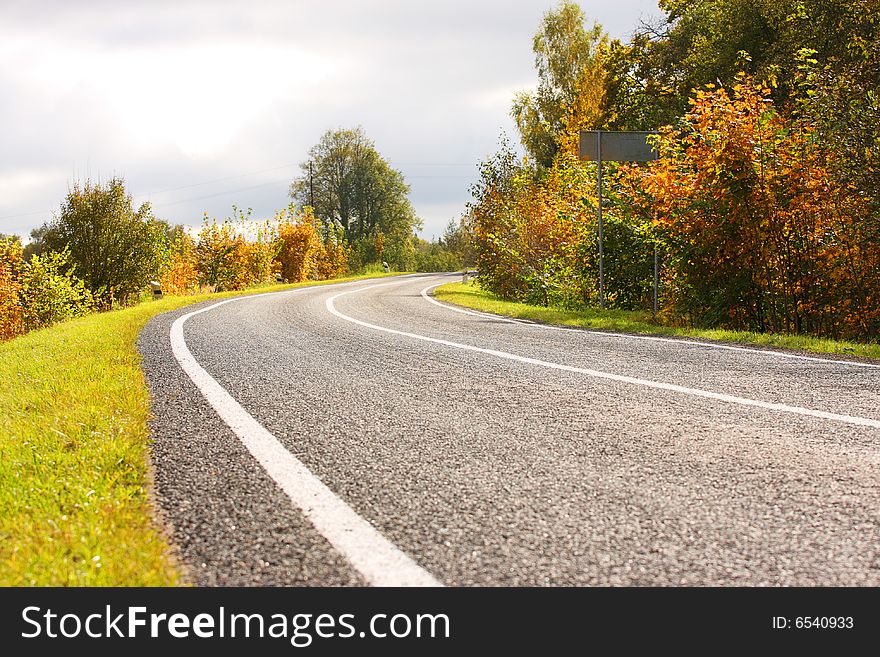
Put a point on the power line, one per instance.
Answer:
(231, 191)
(216, 180)
(26, 214)
(255, 173)
(433, 164)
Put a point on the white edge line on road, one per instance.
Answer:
(798, 410)
(379, 561)
(627, 336)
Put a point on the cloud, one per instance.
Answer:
(200, 104)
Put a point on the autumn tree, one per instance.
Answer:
(759, 234)
(113, 247)
(298, 244)
(179, 274)
(570, 81)
(11, 316)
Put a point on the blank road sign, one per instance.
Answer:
(617, 146)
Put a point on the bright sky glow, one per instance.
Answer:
(200, 105)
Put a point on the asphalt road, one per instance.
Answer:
(467, 450)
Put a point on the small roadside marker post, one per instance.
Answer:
(615, 146)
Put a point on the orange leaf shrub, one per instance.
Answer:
(759, 234)
(180, 275)
(299, 244)
(11, 316)
(331, 259)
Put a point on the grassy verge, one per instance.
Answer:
(471, 296)
(74, 503)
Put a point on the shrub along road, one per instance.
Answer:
(383, 438)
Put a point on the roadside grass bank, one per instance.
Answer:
(641, 322)
(74, 452)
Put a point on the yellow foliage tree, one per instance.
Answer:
(299, 244)
(11, 315)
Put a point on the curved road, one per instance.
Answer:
(366, 434)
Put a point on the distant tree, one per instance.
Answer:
(349, 184)
(458, 239)
(113, 248)
(38, 242)
(569, 70)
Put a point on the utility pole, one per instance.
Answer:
(311, 186)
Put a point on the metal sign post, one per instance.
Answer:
(656, 277)
(598, 145)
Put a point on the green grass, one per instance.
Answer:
(640, 322)
(74, 454)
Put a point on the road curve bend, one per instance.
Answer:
(364, 433)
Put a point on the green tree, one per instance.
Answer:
(567, 57)
(349, 184)
(38, 242)
(699, 42)
(113, 248)
(840, 98)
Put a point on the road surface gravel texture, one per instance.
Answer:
(492, 452)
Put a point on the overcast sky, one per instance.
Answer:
(202, 104)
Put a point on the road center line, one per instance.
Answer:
(695, 392)
(627, 336)
(372, 555)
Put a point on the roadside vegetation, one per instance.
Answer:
(641, 322)
(100, 252)
(763, 204)
(74, 474)
(74, 439)
(357, 194)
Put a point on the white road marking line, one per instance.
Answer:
(798, 410)
(626, 336)
(379, 561)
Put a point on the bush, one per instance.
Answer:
(332, 259)
(299, 244)
(760, 236)
(39, 292)
(179, 273)
(225, 259)
(115, 249)
(50, 293)
(259, 255)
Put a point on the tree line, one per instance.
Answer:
(764, 202)
(350, 212)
